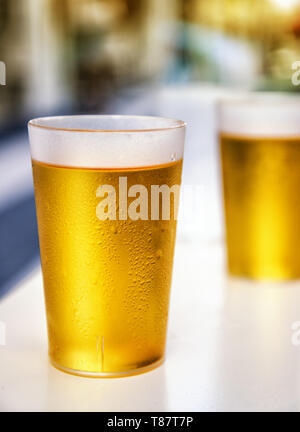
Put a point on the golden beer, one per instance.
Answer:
(261, 182)
(107, 282)
(106, 190)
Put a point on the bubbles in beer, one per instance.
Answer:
(114, 276)
(261, 179)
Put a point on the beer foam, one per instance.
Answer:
(96, 141)
(269, 115)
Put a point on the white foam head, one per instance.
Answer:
(260, 115)
(96, 141)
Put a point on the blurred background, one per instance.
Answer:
(172, 58)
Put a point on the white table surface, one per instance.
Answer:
(229, 348)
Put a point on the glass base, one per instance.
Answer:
(85, 374)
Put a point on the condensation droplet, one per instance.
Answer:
(158, 253)
(114, 229)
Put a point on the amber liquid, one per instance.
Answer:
(261, 179)
(107, 283)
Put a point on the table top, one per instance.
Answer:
(230, 347)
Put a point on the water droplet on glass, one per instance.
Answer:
(114, 229)
(158, 253)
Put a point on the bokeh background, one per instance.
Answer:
(172, 58)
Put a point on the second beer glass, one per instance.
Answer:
(260, 153)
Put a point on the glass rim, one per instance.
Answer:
(173, 123)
